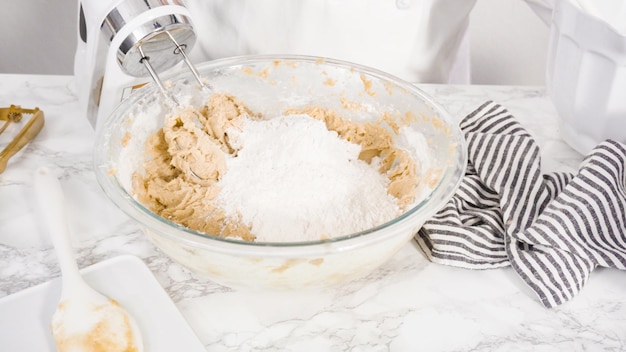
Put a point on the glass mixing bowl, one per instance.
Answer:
(269, 85)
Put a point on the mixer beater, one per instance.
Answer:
(179, 50)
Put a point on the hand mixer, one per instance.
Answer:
(123, 42)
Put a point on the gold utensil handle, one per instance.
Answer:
(28, 132)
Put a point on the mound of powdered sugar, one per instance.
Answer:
(294, 180)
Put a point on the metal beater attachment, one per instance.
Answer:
(178, 50)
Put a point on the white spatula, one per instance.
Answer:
(85, 320)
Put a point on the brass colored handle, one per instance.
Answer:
(26, 134)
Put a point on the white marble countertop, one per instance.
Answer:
(406, 305)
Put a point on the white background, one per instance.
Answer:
(508, 41)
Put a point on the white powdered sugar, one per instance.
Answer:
(293, 180)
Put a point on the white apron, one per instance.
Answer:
(417, 40)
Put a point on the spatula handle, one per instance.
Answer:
(51, 203)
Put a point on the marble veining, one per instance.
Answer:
(408, 304)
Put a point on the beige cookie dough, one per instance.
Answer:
(186, 158)
(184, 161)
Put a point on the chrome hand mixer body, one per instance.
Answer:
(124, 43)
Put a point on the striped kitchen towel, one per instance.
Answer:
(552, 229)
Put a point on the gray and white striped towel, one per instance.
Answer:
(552, 229)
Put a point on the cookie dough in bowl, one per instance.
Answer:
(290, 173)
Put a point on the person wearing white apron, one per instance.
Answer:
(417, 40)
